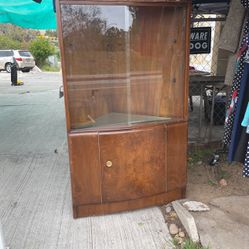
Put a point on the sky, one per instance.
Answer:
(117, 16)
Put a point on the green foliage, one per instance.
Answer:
(224, 174)
(189, 244)
(212, 182)
(175, 243)
(13, 37)
(51, 33)
(8, 43)
(199, 154)
(17, 33)
(41, 48)
(49, 68)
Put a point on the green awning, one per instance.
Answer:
(28, 14)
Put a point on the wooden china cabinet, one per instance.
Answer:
(125, 73)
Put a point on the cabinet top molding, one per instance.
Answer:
(122, 1)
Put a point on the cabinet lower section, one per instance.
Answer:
(107, 208)
(124, 170)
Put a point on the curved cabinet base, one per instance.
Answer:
(128, 169)
(108, 208)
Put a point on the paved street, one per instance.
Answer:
(34, 82)
(32, 115)
(35, 198)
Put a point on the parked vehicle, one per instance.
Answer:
(24, 59)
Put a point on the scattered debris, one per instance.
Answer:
(181, 234)
(178, 239)
(223, 182)
(173, 229)
(56, 151)
(168, 209)
(24, 92)
(172, 214)
(212, 182)
(195, 206)
(14, 204)
(140, 223)
(181, 238)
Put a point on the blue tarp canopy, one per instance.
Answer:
(28, 14)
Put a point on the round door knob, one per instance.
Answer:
(108, 164)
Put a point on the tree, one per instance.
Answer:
(14, 37)
(51, 33)
(41, 48)
(8, 43)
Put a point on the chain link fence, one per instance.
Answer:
(207, 93)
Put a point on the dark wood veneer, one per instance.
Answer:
(106, 208)
(109, 70)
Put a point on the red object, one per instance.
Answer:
(18, 59)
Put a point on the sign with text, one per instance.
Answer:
(200, 40)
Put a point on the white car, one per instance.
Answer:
(24, 59)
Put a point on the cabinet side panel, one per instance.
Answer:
(173, 62)
(177, 155)
(85, 169)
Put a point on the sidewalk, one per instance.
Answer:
(226, 226)
(36, 211)
(35, 197)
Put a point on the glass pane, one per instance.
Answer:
(124, 65)
(95, 43)
(157, 61)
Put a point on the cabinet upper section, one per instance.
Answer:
(122, 64)
(122, 1)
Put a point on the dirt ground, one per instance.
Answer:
(204, 180)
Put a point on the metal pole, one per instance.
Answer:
(212, 115)
(1, 239)
(200, 112)
(217, 19)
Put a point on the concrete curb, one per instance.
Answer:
(36, 69)
(187, 220)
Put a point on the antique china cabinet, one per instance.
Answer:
(125, 73)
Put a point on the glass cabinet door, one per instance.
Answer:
(124, 65)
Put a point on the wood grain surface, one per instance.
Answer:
(134, 65)
(177, 155)
(85, 169)
(113, 207)
(108, 69)
(138, 164)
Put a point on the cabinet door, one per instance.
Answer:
(85, 169)
(133, 163)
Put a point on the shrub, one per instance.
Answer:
(41, 48)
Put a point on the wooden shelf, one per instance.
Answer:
(120, 119)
